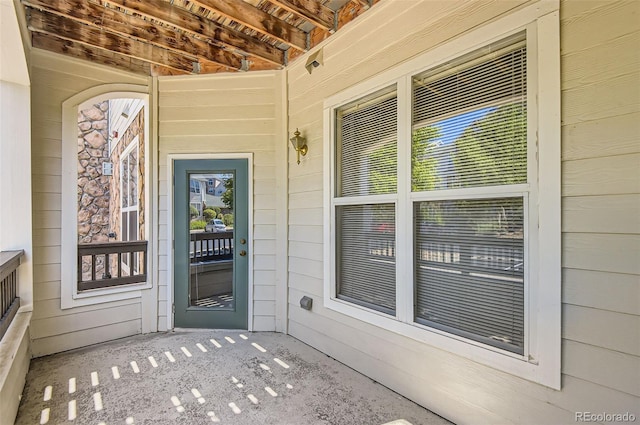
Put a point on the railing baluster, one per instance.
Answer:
(211, 246)
(135, 252)
(107, 267)
(9, 301)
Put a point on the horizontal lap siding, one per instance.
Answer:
(600, 207)
(601, 194)
(233, 113)
(55, 79)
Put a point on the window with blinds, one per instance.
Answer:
(366, 145)
(470, 131)
(469, 260)
(444, 198)
(366, 165)
(469, 121)
(366, 255)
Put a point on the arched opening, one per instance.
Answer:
(105, 218)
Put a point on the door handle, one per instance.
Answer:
(243, 253)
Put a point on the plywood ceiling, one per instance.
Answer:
(173, 37)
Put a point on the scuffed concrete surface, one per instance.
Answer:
(303, 387)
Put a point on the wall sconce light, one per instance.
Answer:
(299, 144)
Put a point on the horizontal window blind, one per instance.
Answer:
(366, 145)
(469, 269)
(366, 255)
(469, 121)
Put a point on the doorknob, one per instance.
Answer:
(243, 241)
(243, 253)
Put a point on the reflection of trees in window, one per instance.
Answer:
(499, 217)
(493, 150)
(381, 168)
(469, 142)
(423, 163)
(227, 196)
(366, 145)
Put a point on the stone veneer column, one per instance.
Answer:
(93, 187)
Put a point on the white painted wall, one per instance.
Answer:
(601, 206)
(15, 204)
(231, 113)
(54, 80)
(15, 148)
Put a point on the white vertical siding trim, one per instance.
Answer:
(282, 203)
(149, 298)
(549, 227)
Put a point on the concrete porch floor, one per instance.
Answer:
(206, 376)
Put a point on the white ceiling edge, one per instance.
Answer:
(13, 62)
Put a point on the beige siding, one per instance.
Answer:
(226, 114)
(601, 205)
(54, 80)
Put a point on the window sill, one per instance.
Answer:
(104, 295)
(513, 364)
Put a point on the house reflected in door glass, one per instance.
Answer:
(211, 246)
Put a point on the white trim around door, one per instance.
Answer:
(171, 157)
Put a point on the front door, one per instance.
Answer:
(210, 229)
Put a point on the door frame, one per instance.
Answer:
(171, 157)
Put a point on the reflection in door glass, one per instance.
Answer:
(211, 240)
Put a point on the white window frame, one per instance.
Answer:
(133, 145)
(70, 297)
(541, 362)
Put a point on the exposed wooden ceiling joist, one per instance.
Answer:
(258, 20)
(79, 51)
(99, 17)
(68, 29)
(168, 37)
(166, 13)
(319, 15)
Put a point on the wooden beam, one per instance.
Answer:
(68, 29)
(346, 14)
(256, 19)
(106, 18)
(184, 20)
(319, 15)
(364, 3)
(99, 56)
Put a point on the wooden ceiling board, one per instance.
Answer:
(174, 37)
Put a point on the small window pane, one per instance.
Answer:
(124, 178)
(133, 178)
(469, 269)
(366, 255)
(470, 122)
(366, 147)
